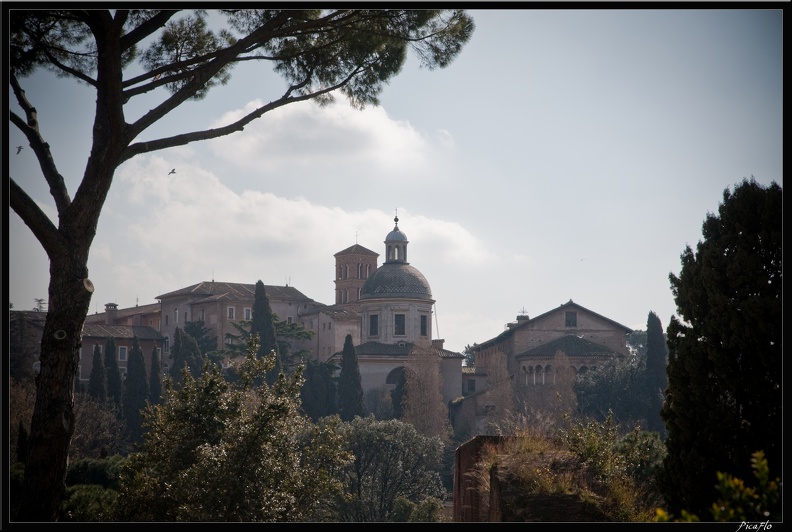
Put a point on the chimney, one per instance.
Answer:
(111, 311)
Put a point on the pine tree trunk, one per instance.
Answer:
(52, 425)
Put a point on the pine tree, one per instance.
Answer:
(112, 372)
(350, 387)
(723, 401)
(185, 354)
(155, 379)
(655, 373)
(97, 381)
(262, 325)
(136, 390)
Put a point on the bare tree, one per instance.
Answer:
(424, 406)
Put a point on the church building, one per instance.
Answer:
(396, 308)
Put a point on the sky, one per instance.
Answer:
(565, 154)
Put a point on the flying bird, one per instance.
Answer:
(19, 149)
(172, 172)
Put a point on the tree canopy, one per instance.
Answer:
(236, 451)
(724, 401)
(124, 56)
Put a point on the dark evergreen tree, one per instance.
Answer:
(136, 391)
(655, 373)
(263, 326)
(723, 401)
(155, 379)
(112, 372)
(97, 381)
(207, 342)
(318, 392)
(186, 354)
(397, 395)
(350, 384)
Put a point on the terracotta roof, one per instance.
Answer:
(523, 322)
(356, 249)
(571, 345)
(401, 349)
(214, 290)
(99, 330)
(124, 312)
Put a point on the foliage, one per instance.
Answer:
(285, 334)
(378, 402)
(21, 401)
(738, 502)
(99, 471)
(318, 52)
(424, 406)
(470, 357)
(350, 383)
(392, 461)
(723, 399)
(318, 393)
(112, 372)
(655, 379)
(231, 451)
(202, 334)
(97, 381)
(155, 378)
(615, 388)
(88, 502)
(261, 325)
(136, 390)
(186, 355)
(398, 394)
(99, 430)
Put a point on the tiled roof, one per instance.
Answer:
(214, 290)
(401, 349)
(357, 249)
(124, 313)
(571, 345)
(523, 322)
(99, 330)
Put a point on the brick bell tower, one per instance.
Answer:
(353, 266)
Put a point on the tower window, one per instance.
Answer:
(374, 325)
(571, 319)
(424, 326)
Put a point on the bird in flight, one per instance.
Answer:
(19, 149)
(172, 172)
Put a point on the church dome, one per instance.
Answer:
(396, 280)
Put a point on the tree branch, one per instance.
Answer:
(38, 222)
(30, 129)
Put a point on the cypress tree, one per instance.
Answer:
(155, 379)
(112, 372)
(136, 390)
(723, 401)
(656, 379)
(97, 381)
(397, 395)
(262, 325)
(318, 392)
(350, 387)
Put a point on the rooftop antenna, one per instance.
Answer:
(356, 235)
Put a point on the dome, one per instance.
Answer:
(396, 280)
(396, 235)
